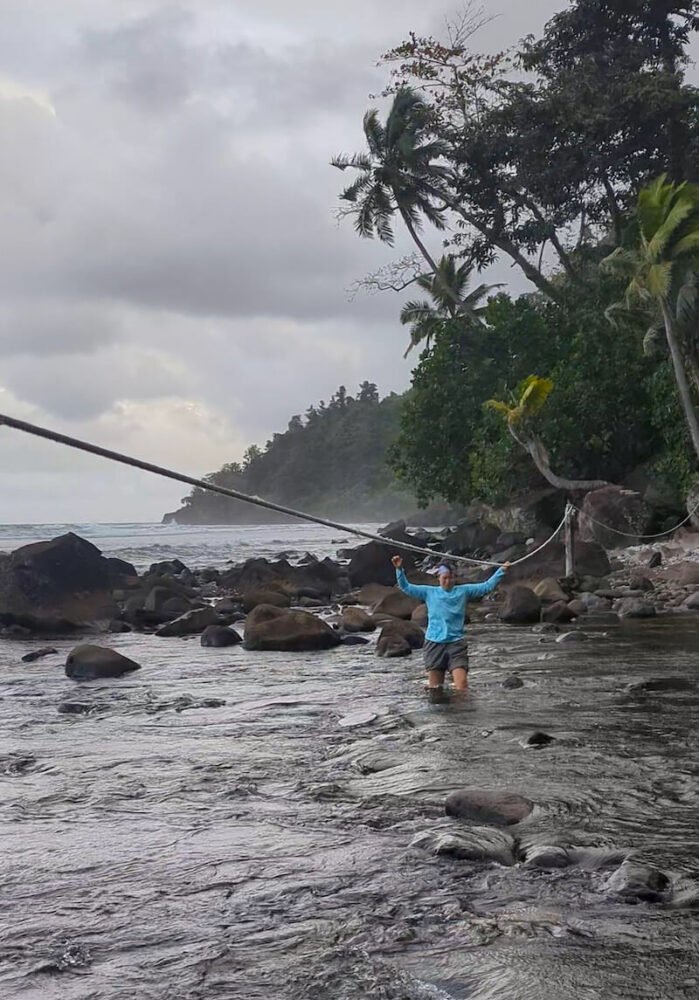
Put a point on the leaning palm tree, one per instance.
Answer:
(662, 278)
(526, 405)
(399, 175)
(447, 286)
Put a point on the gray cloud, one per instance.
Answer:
(173, 278)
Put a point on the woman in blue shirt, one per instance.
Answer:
(445, 640)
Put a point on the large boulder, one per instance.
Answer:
(66, 577)
(550, 590)
(322, 577)
(409, 631)
(219, 636)
(472, 536)
(393, 646)
(91, 663)
(522, 606)
(636, 607)
(273, 597)
(191, 623)
(622, 511)
(591, 560)
(356, 620)
(371, 563)
(396, 604)
(270, 628)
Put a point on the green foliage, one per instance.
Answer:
(331, 463)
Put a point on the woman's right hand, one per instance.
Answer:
(397, 561)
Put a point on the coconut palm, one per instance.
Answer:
(531, 397)
(399, 175)
(446, 287)
(662, 277)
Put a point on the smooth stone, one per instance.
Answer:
(472, 844)
(633, 607)
(636, 881)
(572, 637)
(116, 627)
(219, 636)
(512, 683)
(357, 719)
(354, 640)
(191, 623)
(88, 663)
(483, 806)
(538, 739)
(547, 857)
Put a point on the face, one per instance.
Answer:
(446, 580)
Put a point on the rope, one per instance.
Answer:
(136, 463)
(640, 538)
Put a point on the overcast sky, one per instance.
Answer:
(173, 281)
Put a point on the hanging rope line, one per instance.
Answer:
(640, 538)
(137, 463)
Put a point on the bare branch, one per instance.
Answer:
(393, 277)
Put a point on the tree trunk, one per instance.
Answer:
(433, 264)
(529, 270)
(540, 456)
(681, 376)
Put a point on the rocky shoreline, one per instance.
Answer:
(298, 602)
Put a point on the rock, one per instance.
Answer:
(512, 683)
(537, 739)
(270, 597)
(396, 531)
(490, 808)
(26, 625)
(115, 626)
(692, 602)
(121, 571)
(547, 857)
(321, 577)
(392, 646)
(550, 590)
(79, 707)
(174, 606)
(38, 654)
(522, 606)
(509, 540)
(169, 567)
(409, 631)
(89, 663)
(595, 603)
(591, 560)
(559, 612)
(354, 640)
(471, 536)
(635, 607)
(420, 616)
(397, 605)
(655, 560)
(219, 636)
(371, 563)
(191, 623)
(572, 637)
(546, 628)
(686, 573)
(157, 597)
(659, 684)
(638, 882)
(356, 620)
(272, 628)
(473, 844)
(637, 581)
(616, 508)
(66, 577)
(577, 607)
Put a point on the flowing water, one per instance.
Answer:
(231, 824)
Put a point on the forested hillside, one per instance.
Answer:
(330, 461)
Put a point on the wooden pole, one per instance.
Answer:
(569, 541)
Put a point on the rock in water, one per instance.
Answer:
(392, 646)
(354, 640)
(408, 631)
(38, 653)
(357, 620)
(91, 663)
(219, 636)
(522, 606)
(191, 623)
(622, 510)
(493, 808)
(636, 607)
(636, 881)
(269, 628)
(253, 598)
(512, 683)
(397, 605)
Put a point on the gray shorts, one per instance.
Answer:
(446, 655)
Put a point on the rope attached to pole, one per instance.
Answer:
(137, 463)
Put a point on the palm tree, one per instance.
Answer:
(400, 174)
(446, 287)
(531, 398)
(662, 277)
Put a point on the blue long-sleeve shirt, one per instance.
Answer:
(446, 609)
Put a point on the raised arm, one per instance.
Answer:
(420, 593)
(489, 585)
